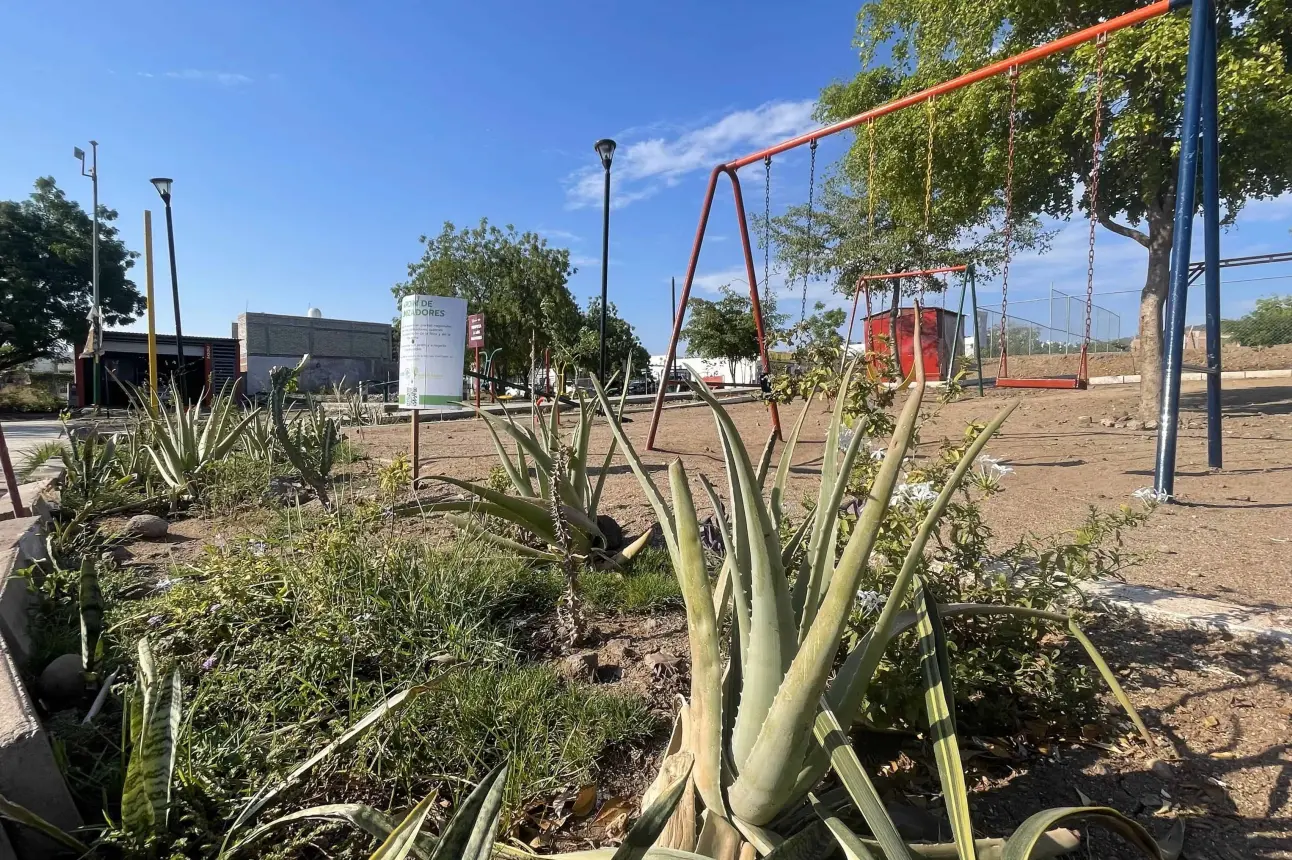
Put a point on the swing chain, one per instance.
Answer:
(1009, 202)
(928, 171)
(870, 178)
(807, 251)
(767, 229)
(1101, 49)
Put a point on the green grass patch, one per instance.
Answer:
(285, 641)
(646, 584)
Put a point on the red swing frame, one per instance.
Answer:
(731, 168)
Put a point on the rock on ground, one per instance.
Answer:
(147, 526)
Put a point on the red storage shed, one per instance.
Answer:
(941, 334)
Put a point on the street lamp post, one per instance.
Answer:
(163, 188)
(606, 149)
(96, 335)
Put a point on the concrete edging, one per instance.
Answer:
(1130, 378)
(29, 772)
(1198, 612)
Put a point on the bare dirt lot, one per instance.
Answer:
(1226, 705)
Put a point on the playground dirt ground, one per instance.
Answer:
(1224, 704)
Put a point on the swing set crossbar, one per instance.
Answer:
(731, 168)
(915, 273)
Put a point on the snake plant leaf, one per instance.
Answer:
(348, 739)
(22, 815)
(642, 835)
(843, 758)
(783, 468)
(469, 833)
(942, 728)
(771, 774)
(853, 847)
(376, 824)
(160, 740)
(403, 838)
(90, 609)
(1106, 672)
(706, 659)
(1020, 844)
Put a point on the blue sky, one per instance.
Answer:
(311, 144)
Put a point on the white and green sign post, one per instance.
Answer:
(432, 348)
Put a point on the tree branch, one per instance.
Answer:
(1123, 230)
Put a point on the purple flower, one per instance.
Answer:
(209, 663)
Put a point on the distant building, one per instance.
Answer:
(209, 362)
(339, 350)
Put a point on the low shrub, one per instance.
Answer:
(30, 398)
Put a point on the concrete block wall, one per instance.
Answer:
(338, 349)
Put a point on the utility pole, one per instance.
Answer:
(96, 333)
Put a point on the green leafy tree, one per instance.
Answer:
(724, 329)
(583, 350)
(930, 41)
(515, 279)
(46, 277)
(1268, 325)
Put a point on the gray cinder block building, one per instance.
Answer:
(339, 350)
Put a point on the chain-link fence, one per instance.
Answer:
(1050, 326)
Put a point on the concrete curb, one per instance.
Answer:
(1197, 612)
(1196, 377)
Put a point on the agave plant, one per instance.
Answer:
(185, 442)
(558, 506)
(310, 441)
(763, 729)
(92, 464)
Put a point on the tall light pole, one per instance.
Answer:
(606, 149)
(163, 188)
(96, 334)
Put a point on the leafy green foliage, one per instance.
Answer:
(724, 329)
(623, 349)
(29, 398)
(45, 275)
(1269, 324)
(515, 279)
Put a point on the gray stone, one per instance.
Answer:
(1134, 425)
(580, 667)
(1150, 425)
(1161, 769)
(63, 681)
(1107, 422)
(147, 526)
(1084, 419)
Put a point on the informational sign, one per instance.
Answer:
(432, 346)
(475, 331)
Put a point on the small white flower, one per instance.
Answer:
(917, 493)
(878, 454)
(869, 602)
(845, 438)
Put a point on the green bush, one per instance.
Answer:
(29, 398)
(1269, 324)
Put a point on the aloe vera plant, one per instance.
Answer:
(185, 442)
(557, 507)
(762, 728)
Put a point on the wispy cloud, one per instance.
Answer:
(643, 167)
(563, 235)
(226, 79)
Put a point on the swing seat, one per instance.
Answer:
(1067, 382)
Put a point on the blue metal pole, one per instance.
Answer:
(1211, 240)
(1185, 191)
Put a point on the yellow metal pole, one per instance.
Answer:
(152, 310)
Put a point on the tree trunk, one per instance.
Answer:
(1161, 230)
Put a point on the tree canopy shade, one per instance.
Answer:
(515, 279)
(932, 40)
(724, 329)
(46, 277)
(583, 351)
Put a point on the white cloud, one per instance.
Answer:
(643, 167)
(564, 235)
(228, 79)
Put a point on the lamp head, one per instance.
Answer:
(606, 149)
(78, 154)
(163, 187)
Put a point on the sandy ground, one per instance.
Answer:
(1231, 536)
